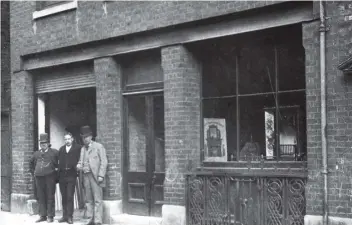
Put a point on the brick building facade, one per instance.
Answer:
(148, 62)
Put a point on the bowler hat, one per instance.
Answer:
(44, 138)
(86, 131)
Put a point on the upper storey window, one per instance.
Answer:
(46, 8)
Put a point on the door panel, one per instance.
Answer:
(137, 134)
(144, 148)
(158, 153)
(137, 175)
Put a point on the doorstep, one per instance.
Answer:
(126, 219)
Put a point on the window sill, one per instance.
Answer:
(55, 9)
(256, 164)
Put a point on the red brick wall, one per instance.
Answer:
(182, 119)
(99, 20)
(311, 44)
(108, 94)
(339, 123)
(22, 131)
(339, 107)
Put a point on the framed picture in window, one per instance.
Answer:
(215, 143)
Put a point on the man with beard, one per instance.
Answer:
(43, 166)
(68, 159)
(93, 164)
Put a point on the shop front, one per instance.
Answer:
(207, 123)
(253, 130)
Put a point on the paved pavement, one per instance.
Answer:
(8, 218)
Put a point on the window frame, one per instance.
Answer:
(236, 98)
(54, 9)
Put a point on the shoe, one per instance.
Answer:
(62, 220)
(50, 220)
(41, 219)
(90, 223)
(69, 221)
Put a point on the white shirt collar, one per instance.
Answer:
(68, 148)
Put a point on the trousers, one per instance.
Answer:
(94, 198)
(67, 189)
(46, 187)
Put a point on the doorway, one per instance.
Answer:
(66, 111)
(144, 148)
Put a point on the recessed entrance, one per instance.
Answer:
(66, 111)
(144, 148)
(63, 111)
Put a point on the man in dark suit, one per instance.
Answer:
(92, 164)
(43, 166)
(68, 159)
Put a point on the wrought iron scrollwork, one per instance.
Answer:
(196, 199)
(274, 201)
(231, 200)
(216, 199)
(296, 201)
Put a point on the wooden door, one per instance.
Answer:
(144, 154)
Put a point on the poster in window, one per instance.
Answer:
(215, 143)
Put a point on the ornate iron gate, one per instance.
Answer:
(224, 199)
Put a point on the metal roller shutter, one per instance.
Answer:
(64, 78)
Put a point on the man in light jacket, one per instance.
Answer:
(92, 164)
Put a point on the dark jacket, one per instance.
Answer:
(44, 163)
(68, 161)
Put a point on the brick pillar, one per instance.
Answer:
(314, 192)
(22, 98)
(109, 123)
(182, 83)
(108, 87)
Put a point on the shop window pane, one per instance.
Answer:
(159, 134)
(292, 121)
(221, 109)
(270, 136)
(256, 69)
(257, 126)
(291, 67)
(137, 133)
(219, 75)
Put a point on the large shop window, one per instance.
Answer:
(254, 101)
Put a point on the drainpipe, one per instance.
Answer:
(323, 112)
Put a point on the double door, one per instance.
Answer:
(144, 154)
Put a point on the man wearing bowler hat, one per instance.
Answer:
(92, 163)
(43, 166)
